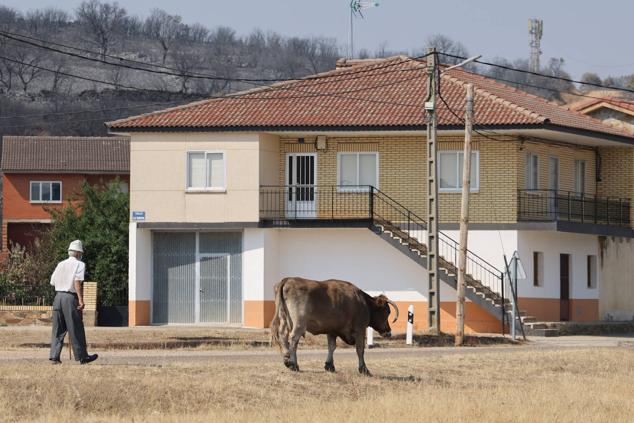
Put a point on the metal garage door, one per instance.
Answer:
(197, 277)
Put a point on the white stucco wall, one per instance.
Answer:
(139, 264)
(616, 301)
(552, 244)
(355, 255)
(491, 245)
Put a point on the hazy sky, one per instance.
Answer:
(589, 35)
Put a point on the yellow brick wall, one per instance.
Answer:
(617, 174)
(567, 156)
(402, 171)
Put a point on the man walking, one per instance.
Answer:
(67, 279)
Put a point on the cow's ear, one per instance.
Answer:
(380, 301)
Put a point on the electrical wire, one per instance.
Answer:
(173, 71)
(560, 78)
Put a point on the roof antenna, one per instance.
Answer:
(356, 6)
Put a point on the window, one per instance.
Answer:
(553, 173)
(46, 192)
(358, 169)
(580, 176)
(206, 171)
(538, 268)
(450, 170)
(532, 171)
(592, 271)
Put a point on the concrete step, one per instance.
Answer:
(536, 325)
(543, 332)
(528, 319)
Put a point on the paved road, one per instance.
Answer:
(164, 357)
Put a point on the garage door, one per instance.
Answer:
(197, 278)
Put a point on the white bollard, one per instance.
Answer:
(410, 325)
(370, 336)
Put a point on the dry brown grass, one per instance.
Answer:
(589, 385)
(206, 338)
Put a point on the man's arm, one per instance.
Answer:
(79, 288)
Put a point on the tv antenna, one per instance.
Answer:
(356, 8)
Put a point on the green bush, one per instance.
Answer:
(99, 218)
(97, 215)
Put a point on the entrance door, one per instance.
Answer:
(564, 290)
(553, 186)
(301, 178)
(215, 289)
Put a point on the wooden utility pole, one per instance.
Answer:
(464, 216)
(433, 287)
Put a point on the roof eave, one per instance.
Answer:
(385, 128)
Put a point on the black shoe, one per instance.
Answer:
(55, 361)
(89, 359)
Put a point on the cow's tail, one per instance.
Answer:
(281, 325)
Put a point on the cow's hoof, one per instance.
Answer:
(329, 367)
(294, 367)
(364, 371)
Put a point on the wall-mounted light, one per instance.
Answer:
(300, 140)
(321, 143)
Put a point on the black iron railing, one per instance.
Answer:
(552, 205)
(282, 204)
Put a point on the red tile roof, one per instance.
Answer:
(66, 154)
(386, 94)
(606, 102)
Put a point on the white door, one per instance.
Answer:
(301, 180)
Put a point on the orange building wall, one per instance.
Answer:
(16, 203)
(258, 314)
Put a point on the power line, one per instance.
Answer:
(560, 78)
(173, 71)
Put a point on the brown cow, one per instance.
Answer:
(333, 307)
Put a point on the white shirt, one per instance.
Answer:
(66, 273)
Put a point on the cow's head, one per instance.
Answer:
(380, 313)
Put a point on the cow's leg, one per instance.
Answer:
(330, 361)
(360, 346)
(283, 333)
(296, 333)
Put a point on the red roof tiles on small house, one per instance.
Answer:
(108, 155)
(386, 94)
(595, 103)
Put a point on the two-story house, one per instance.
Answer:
(326, 177)
(40, 173)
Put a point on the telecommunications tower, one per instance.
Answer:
(535, 30)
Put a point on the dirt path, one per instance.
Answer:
(158, 357)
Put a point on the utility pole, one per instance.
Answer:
(464, 216)
(433, 287)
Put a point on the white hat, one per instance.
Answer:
(76, 245)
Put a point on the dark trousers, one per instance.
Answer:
(66, 318)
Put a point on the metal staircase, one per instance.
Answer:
(405, 231)
(363, 205)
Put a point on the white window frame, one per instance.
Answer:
(475, 185)
(61, 195)
(529, 172)
(206, 188)
(356, 188)
(556, 158)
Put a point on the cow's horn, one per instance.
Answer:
(395, 308)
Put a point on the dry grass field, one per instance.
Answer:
(206, 338)
(589, 385)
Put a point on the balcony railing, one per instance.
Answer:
(314, 202)
(551, 205)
